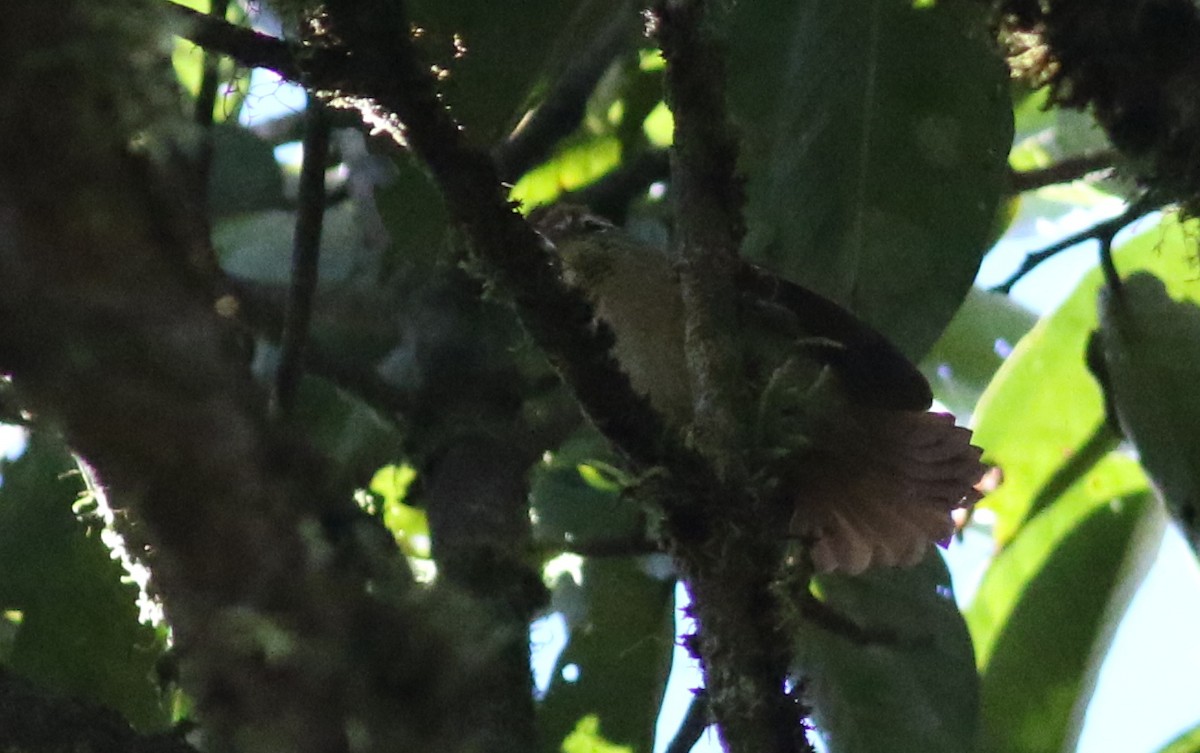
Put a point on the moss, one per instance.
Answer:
(1133, 65)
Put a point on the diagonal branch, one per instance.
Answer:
(248, 47)
(393, 87)
(1102, 231)
(1063, 171)
(386, 82)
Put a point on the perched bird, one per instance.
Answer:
(842, 415)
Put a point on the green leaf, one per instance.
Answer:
(913, 686)
(78, 629)
(492, 56)
(586, 738)
(258, 245)
(1046, 612)
(1151, 349)
(1043, 406)
(1188, 742)
(409, 525)
(876, 143)
(619, 655)
(577, 163)
(415, 218)
(346, 430)
(568, 507)
(965, 358)
(244, 176)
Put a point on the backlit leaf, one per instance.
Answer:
(74, 610)
(618, 654)
(908, 683)
(1043, 405)
(1046, 612)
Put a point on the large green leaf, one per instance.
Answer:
(912, 686)
(876, 134)
(1151, 349)
(617, 658)
(1046, 612)
(965, 358)
(1043, 406)
(492, 54)
(1083, 523)
(76, 612)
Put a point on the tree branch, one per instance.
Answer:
(695, 721)
(249, 48)
(306, 254)
(476, 500)
(742, 649)
(708, 227)
(36, 721)
(1063, 171)
(1102, 231)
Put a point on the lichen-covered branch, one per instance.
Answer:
(708, 202)
(742, 646)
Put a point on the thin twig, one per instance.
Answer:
(695, 721)
(561, 112)
(1107, 266)
(305, 259)
(1103, 231)
(1063, 171)
(202, 115)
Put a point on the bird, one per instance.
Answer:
(873, 475)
